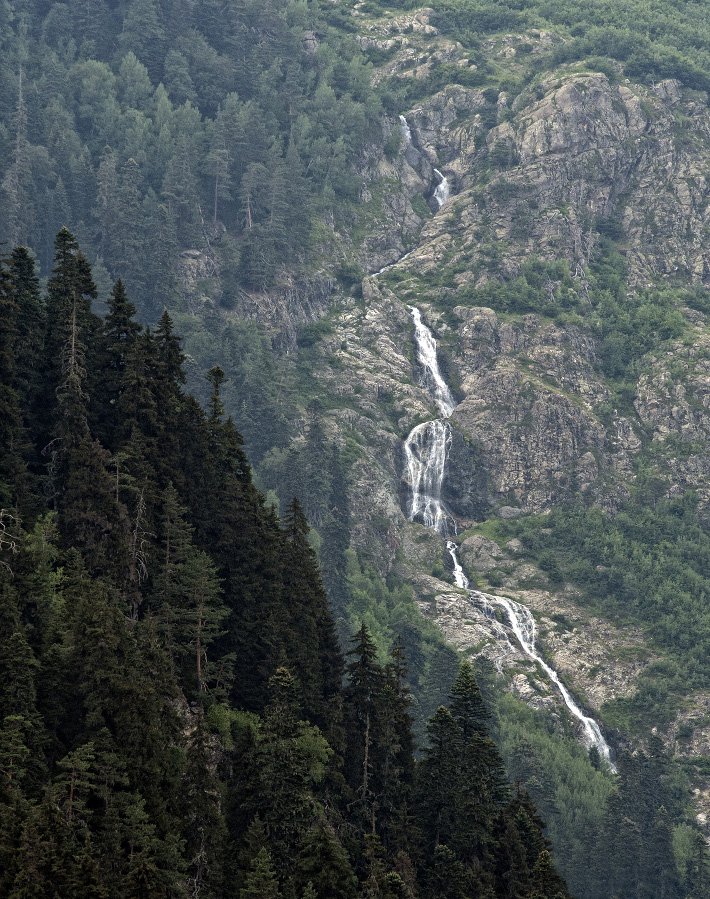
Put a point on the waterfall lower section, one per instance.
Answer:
(426, 451)
(522, 624)
(460, 578)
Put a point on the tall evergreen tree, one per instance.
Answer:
(312, 642)
(11, 462)
(29, 336)
(119, 335)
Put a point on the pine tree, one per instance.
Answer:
(437, 780)
(397, 758)
(697, 878)
(198, 618)
(70, 323)
(143, 33)
(137, 416)
(168, 380)
(324, 865)
(188, 596)
(362, 698)
(90, 517)
(217, 165)
(446, 878)
(204, 829)
(285, 767)
(312, 642)
(17, 185)
(129, 233)
(546, 882)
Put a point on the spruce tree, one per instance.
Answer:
(118, 338)
(70, 291)
(467, 706)
(90, 517)
(285, 768)
(204, 825)
(312, 642)
(324, 864)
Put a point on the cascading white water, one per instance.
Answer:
(495, 628)
(426, 451)
(522, 624)
(460, 578)
(391, 264)
(427, 446)
(406, 131)
(443, 189)
(426, 356)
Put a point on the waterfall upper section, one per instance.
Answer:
(406, 131)
(432, 379)
(427, 447)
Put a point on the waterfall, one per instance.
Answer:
(522, 624)
(391, 264)
(443, 189)
(427, 446)
(494, 626)
(460, 578)
(406, 131)
(426, 450)
(426, 356)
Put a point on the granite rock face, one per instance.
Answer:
(571, 157)
(577, 156)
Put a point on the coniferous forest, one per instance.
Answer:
(236, 659)
(176, 716)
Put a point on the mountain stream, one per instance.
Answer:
(426, 451)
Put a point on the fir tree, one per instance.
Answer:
(467, 706)
(313, 645)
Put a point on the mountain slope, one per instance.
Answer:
(565, 279)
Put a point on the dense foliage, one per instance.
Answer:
(650, 564)
(653, 40)
(150, 126)
(174, 719)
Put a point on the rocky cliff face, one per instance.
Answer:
(575, 157)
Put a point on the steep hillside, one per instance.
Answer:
(534, 179)
(565, 280)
